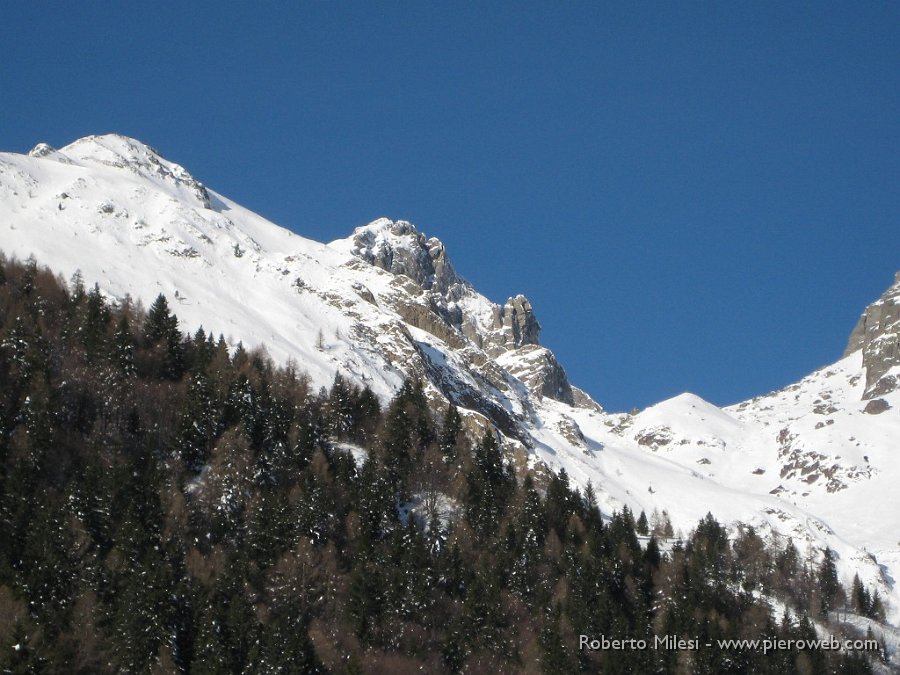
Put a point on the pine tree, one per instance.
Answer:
(555, 658)
(876, 607)
(376, 501)
(161, 331)
(489, 485)
(364, 601)
(560, 503)
(199, 425)
(123, 347)
(487, 624)
(159, 321)
(642, 525)
(77, 285)
(407, 432)
(450, 434)
(652, 554)
(93, 326)
(861, 600)
(829, 586)
(530, 550)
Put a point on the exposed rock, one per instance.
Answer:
(883, 385)
(127, 153)
(364, 293)
(654, 438)
(41, 150)
(399, 248)
(435, 299)
(426, 319)
(877, 333)
(876, 406)
(539, 370)
(583, 400)
(571, 431)
(518, 322)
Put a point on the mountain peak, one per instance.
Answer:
(41, 150)
(122, 152)
(398, 247)
(877, 334)
(106, 148)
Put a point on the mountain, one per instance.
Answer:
(813, 463)
(877, 335)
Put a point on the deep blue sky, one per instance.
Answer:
(695, 196)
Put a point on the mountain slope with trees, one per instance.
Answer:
(170, 505)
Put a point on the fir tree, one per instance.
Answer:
(161, 331)
(123, 347)
(450, 433)
(489, 484)
(829, 586)
(642, 526)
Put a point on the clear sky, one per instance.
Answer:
(695, 196)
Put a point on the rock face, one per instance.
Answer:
(399, 248)
(876, 406)
(519, 323)
(445, 305)
(539, 370)
(877, 334)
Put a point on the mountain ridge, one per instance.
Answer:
(808, 462)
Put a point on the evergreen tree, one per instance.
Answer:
(161, 331)
(860, 597)
(555, 658)
(123, 347)
(489, 485)
(642, 526)
(199, 423)
(529, 551)
(829, 586)
(93, 326)
(450, 434)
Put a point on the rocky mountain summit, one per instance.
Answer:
(877, 334)
(399, 248)
(812, 463)
(454, 311)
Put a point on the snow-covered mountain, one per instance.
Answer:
(815, 462)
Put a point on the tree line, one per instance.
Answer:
(169, 505)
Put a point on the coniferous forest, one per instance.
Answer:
(169, 505)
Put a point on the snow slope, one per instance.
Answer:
(806, 463)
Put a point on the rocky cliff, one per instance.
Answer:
(877, 334)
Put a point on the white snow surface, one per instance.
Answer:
(805, 463)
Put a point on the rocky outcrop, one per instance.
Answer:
(435, 299)
(539, 370)
(876, 406)
(399, 248)
(877, 334)
(41, 150)
(517, 321)
(429, 320)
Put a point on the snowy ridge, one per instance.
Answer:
(814, 462)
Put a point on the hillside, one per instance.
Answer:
(812, 463)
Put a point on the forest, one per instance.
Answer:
(170, 505)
